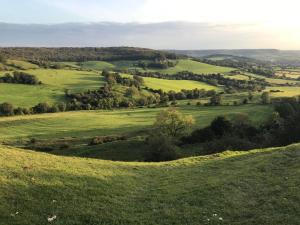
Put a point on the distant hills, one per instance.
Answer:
(273, 55)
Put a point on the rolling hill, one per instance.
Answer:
(255, 187)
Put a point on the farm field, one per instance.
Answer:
(177, 85)
(284, 91)
(193, 66)
(37, 186)
(174, 85)
(93, 123)
(183, 65)
(54, 84)
(292, 73)
(28, 95)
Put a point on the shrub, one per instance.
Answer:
(172, 123)
(6, 109)
(161, 148)
(106, 139)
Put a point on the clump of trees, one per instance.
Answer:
(20, 78)
(106, 139)
(160, 62)
(282, 128)
(170, 125)
(7, 109)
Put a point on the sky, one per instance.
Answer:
(281, 18)
(272, 12)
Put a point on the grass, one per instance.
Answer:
(292, 73)
(23, 65)
(73, 80)
(255, 187)
(175, 85)
(84, 124)
(183, 65)
(195, 67)
(284, 91)
(55, 82)
(97, 65)
(29, 95)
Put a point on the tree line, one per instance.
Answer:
(20, 78)
(40, 55)
(255, 84)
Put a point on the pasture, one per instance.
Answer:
(227, 188)
(93, 123)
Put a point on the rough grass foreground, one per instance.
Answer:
(256, 187)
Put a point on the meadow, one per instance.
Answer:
(52, 90)
(254, 187)
(174, 85)
(93, 123)
(193, 66)
(183, 65)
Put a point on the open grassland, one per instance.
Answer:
(284, 91)
(274, 81)
(175, 85)
(93, 123)
(255, 187)
(73, 80)
(193, 66)
(55, 82)
(292, 73)
(237, 77)
(23, 65)
(183, 65)
(96, 65)
(29, 95)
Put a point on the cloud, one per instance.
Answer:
(169, 35)
(99, 10)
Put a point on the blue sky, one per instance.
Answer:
(61, 11)
(278, 13)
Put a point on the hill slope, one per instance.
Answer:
(257, 187)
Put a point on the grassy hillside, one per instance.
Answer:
(183, 65)
(23, 65)
(256, 187)
(92, 123)
(29, 95)
(52, 90)
(96, 65)
(284, 91)
(174, 85)
(177, 85)
(195, 67)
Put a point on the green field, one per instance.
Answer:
(73, 80)
(96, 65)
(92, 123)
(55, 82)
(254, 187)
(195, 67)
(175, 85)
(21, 64)
(284, 91)
(183, 65)
(29, 95)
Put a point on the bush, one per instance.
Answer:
(161, 148)
(106, 139)
(6, 109)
